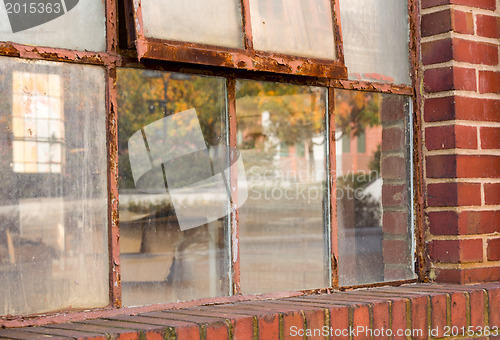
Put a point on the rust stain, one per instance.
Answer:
(422, 265)
(53, 54)
(233, 58)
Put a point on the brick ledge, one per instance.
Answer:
(411, 307)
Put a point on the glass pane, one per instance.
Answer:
(71, 24)
(376, 37)
(53, 191)
(212, 22)
(296, 27)
(173, 166)
(373, 188)
(283, 222)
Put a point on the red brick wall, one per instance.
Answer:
(461, 121)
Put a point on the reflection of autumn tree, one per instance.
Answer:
(135, 91)
(356, 110)
(296, 112)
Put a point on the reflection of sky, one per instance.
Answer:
(375, 35)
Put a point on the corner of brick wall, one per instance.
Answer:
(461, 126)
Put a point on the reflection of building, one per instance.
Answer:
(354, 153)
(38, 125)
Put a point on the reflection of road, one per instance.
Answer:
(360, 255)
(282, 244)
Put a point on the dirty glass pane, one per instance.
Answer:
(373, 187)
(71, 24)
(375, 35)
(296, 27)
(53, 188)
(173, 171)
(199, 21)
(281, 137)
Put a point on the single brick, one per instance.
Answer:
(441, 166)
(461, 108)
(456, 251)
(450, 78)
(451, 136)
(438, 313)
(445, 21)
(462, 22)
(477, 109)
(490, 137)
(489, 82)
(464, 223)
(488, 26)
(458, 313)
(479, 222)
(475, 52)
(476, 308)
(443, 223)
(396, 251)
(393, 167)
(395, 222)
(469, 166)
(468, 275)
(393, 108)
(292, 320)
(361, 318)
(439, 109)
(436, 23)
(392, 139)
(485, 4)
(463, 166)
(494, 306)
(381, 316)
(394, 195)
(453, 194)
(269, 327)
(437, 51)
(494, 249)
(339, 320)
(492, 193)
(419, 316)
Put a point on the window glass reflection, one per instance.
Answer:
(295, 27)
(53, 191)
(199, 21)
(373, 190)
(71, 24)
(173, 180)
(282, 139)
(376, 35)
(38, 127)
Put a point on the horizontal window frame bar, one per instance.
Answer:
(247, 58)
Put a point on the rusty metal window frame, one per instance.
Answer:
(246, 59)
(182, 57)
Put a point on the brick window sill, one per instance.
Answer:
(417, 308)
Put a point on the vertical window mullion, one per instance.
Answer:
(246, 24)
(332, 178)
(110, 8)
(112, 146)
(234, 222)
